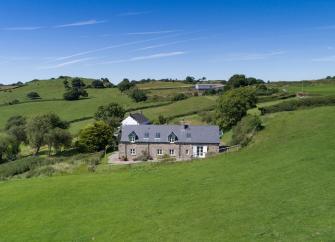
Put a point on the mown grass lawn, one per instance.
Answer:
(280, 188)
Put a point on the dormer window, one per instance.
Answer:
(188, 135)
(146, 135)
(158, 135)
(132, 137)
(172, 138)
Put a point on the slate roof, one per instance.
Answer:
(185, 134)
(140, 118)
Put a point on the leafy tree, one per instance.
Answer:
(8, 148)
(40, 127)
(58, 138)
(233, 105)
(190, 79)
(137, 95)
(97, 84)
(33, 95)
(16, 127)
(66, 84)
(96, 137)
(107, 83)
(77, 83)
(179, 97)
(124, 85)
(74, 94)
(112, 114)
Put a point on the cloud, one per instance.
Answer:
(154, 32)
(112, 47)
(66, 63)
(133, 13)
(167, 44)
(147, 57)
(81, 23)
(25, 28)
(253, 56)
(325, 59)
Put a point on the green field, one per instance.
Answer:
(312, 88)
(162, 85)
(279, 188)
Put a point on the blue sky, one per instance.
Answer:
(269, 39)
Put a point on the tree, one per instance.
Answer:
(233, 105)
(112, 114)
(33, 95)
(237, 81)
(190, 79)
(179, 97)
(74, 94)
(97, 84)
(16, 127)
(124, 85)
(40, 127)
(58, 138)
(66, 84)
(77, 83)
(137, 95)
(245, 129)
(96, 137)
(107, 83)
(8, 148)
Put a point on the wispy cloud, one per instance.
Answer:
(81, 23)
(168, 44)
(252, 56)
(146, 57)
(133, 13)
(113, 47)
(66, 63)
(154, 32)
(23, 28)
(325, 59)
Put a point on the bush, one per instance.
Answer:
(137, 94)
(74, 94)
(33, 95)
(97, 84)
(96, 137)
(245, 129)
(292, 105)
(179, 97)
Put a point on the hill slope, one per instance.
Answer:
(279, 188)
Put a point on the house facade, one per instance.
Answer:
(179, 141)
(205, 87)
(135, 119)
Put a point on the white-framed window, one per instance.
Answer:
(158, 135)
(159, 152)
(187, 152)
(172, 139)
(171, 152)
(146, 135)
(132, 139)
(133, 151)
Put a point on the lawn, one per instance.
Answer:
(311, 88)
(162, 85)
(280, 188)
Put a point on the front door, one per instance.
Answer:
(200, 151)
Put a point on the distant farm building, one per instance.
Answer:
(135, 119)
(206, 87)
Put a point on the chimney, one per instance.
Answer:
(186, 126)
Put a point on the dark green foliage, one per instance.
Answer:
(291, 105)
(125, 84)
(233, 105)
(107, 83)
(97, 84)
(66, 84)
(179, 97)
(245, 129)
(207, 117)
(9, 148)
(33, 95)
(74, 94)
(40, 128)
(241, 80)
(17, 120)
(58, 138)
(137, 95)
(190, 79)
(96, 137)
(112, 114)
(77, 83)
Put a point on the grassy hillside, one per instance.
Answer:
(280, 188)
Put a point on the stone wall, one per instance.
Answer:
(181, 151)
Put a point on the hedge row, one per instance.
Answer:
(295, 104)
